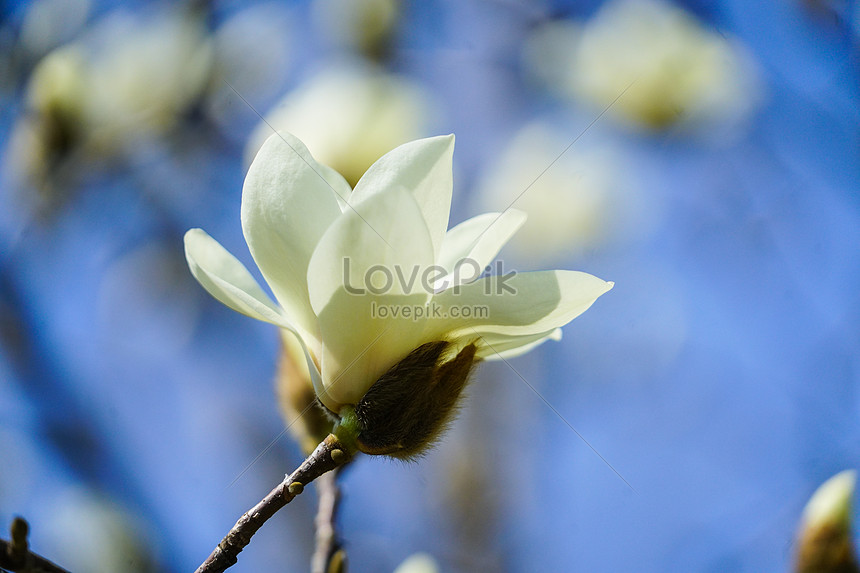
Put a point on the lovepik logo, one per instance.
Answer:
(381, 279)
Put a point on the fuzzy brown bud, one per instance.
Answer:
(407, 409)
(825, 543)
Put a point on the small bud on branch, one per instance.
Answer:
(15, 555)
(330, 454)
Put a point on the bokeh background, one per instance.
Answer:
(703, 154)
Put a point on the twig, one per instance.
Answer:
(329, 556)
(330, 454)
(15, 555)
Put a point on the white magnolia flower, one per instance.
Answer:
(362, 25)
(668, 66)
(146, 74)
(831, 503)
(323, 249)
(349, 116)
(127, 80)
(418, 563)
(580, 203)
(128, 77)
(825, 540)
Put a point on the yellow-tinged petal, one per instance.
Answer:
(473, 244)
(371, 257)
(424, 167)
(493, 346)
(831, 503)
(520, 304)
(226, 279)
(288, 202)
(825, 540)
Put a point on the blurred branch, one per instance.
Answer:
(330, 454)
(15, 555)
(329, 556)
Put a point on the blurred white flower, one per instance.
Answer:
(418, 563)
(144, 72)
(322, 248)
(362, 25)
(349, 116)
(825, 542)
(128, 80)
(130, 77)
(575, 202)
(42, 139)
(831, 502)
(58, 83)
(88, 532)
(252, 51)
(677, 71)
(49, 23)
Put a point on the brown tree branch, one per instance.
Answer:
(330, 454)
(15, 555)
(329, 555)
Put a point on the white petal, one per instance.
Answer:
(424, 167)
(226, 279)
(522, 304)
(386, 232)
(288, 202)
(830, 505)
(498, 346)
(474, 243)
